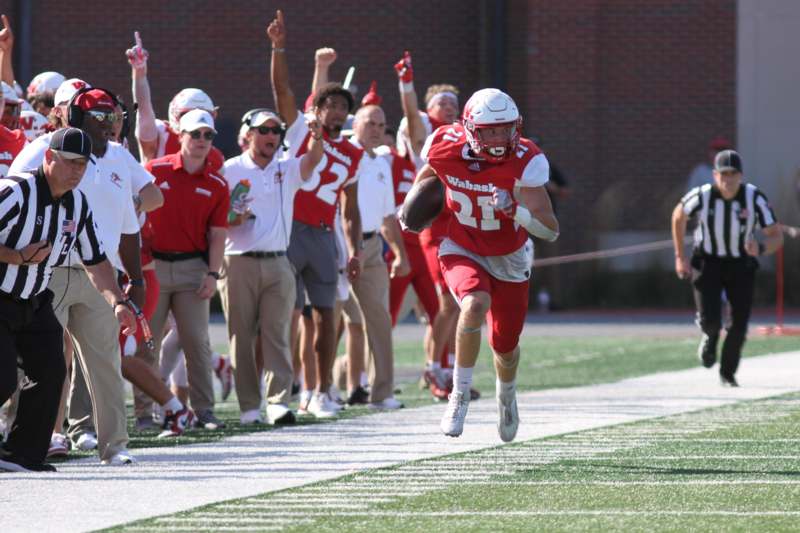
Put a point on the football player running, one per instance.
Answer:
(494, 183)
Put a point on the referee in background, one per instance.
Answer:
(41, 221)
(724, 256)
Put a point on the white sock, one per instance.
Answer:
(305, 395)
(451, 359)
(434, 365)
(503, 387)
(173, 405)
(214, 360)
(462, 379)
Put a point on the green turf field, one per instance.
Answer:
(732, 468)
(546, 362)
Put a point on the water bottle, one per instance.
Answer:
(237, 196)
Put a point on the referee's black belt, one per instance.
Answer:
(178, 256)
(264, 255)
(368, 234)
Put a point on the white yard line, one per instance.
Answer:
(168, 480)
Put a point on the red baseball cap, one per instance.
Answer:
(93, 99)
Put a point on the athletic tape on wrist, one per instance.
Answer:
(525, 218)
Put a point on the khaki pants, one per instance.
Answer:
(179, 283)
(371, 290)
(258, 299)
(79, 307)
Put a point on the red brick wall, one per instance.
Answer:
(625, 93)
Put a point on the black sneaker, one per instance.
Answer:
(206, 420)
(707, 351)
(359, 396)
(11, 463)
(727, 381)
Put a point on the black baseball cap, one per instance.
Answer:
(727, 161)
(71, 143)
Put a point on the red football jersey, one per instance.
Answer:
(469, 181)
(315, 203)
(11, 144)
(172, 145)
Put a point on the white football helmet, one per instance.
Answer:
(33, 124)
(490, 108)
(45, 82)
(186, 100)
(67, 90)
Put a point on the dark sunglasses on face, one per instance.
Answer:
(103, 116)
(207, 135)
(263, 130)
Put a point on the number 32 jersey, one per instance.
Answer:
(316, 201)
(469, 181)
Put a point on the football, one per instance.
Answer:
(423, 203)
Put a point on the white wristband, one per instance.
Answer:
(525, 218)
(406, 87)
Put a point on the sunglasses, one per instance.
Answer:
(207, 135)
(263, 130)
(103, 116)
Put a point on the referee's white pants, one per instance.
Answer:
(81, 309)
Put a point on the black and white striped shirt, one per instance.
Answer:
(723, 226)
(28, 214)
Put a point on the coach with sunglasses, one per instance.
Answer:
(188, 241)
(258, 290)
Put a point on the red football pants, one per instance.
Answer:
(509, 300)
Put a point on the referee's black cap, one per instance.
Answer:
(71, 143)
(728, 160)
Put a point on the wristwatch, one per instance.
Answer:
(213, 274)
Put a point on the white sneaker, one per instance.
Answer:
(452, 423)
(508, 416)
(279, 414)
(86, 442)
(252, 416)
(121, 458)
(321, 406)
(387, 404)
(335, 396)
(333, 402)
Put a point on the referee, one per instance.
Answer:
(724, 256)
(41, 221)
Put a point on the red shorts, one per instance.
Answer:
(431, 252)
(419, 277)
(149, 309)
(506, 316)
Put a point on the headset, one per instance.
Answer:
(75, 114)
(248, 116)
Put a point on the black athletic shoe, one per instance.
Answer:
(11, 463)
(206, 420)
(359, 396)
(707, 351)
(727, 381)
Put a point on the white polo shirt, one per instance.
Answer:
(375, 190)
(272, 189)
(109, 184)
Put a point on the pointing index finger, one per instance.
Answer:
(279, 16)
(137, 39)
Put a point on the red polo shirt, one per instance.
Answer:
(193, 203)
